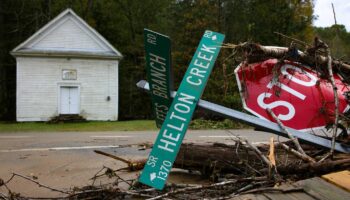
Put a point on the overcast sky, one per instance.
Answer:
(324, 13)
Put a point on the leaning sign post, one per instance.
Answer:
(168, 142)
(159, 73)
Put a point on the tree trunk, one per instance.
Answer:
(242, 160)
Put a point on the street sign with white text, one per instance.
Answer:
(173, 130)
(159, 73)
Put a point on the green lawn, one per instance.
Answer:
(134, 125)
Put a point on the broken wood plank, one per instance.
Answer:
(300, 195)
(340, 179)
(250, 197)
(322, 190)
(291, 196)
(285, 192)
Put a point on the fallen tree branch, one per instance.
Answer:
(255, 149)
(336, 98)
(248, 187)
(132, 165)
(234, 159)
(256, 53)
(317, 168)
(112, 156)
(258, 152)
(294, 139)
(272, 189)
(38, 183)
(298, 154)
(193, 188)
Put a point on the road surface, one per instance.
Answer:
(66, 159)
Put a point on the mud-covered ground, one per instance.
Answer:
(66, 160)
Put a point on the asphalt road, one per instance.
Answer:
(66, 159)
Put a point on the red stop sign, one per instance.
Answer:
(294, 92)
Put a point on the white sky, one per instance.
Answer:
(324, 13)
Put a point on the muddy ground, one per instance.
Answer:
(67, 160)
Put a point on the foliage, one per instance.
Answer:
(122, 22)
(257, 20)
(18, 20)
(338, 39)
(211, 124)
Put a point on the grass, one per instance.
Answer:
(93, 126)
(134, 125)
(221, 124)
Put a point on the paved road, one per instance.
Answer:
(67, 159)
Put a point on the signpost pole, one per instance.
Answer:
(261, 123)
(180, 113)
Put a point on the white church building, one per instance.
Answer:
(67, 68)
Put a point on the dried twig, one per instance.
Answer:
(97, 175)
(272, 189)
(242, 190)
(335, 18)
(85, 192)
(137, 194)
(38, 198)
(193, 188)
(38, 183)
(336, 98)
(297, 154)
(3, 196)
(258, 53)
(284, 129)
(300, 153)
(255, 149)
(112, 156)
(132, 165)
(247, 187)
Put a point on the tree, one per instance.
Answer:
(122, 22)
(18, 20)
(337, 38)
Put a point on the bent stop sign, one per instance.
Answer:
(294, 92)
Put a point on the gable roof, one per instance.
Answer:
(67, 35)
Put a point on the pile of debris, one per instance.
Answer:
(314, 71)
(64, 118)
(240, 168)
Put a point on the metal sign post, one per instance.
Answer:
(159, 72)
(173, 130)
(261, 123)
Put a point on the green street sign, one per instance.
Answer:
(158, 65)
(168, 142)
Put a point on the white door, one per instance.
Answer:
(69, 101)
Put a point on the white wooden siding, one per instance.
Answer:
(68, 35)
(39, 79)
